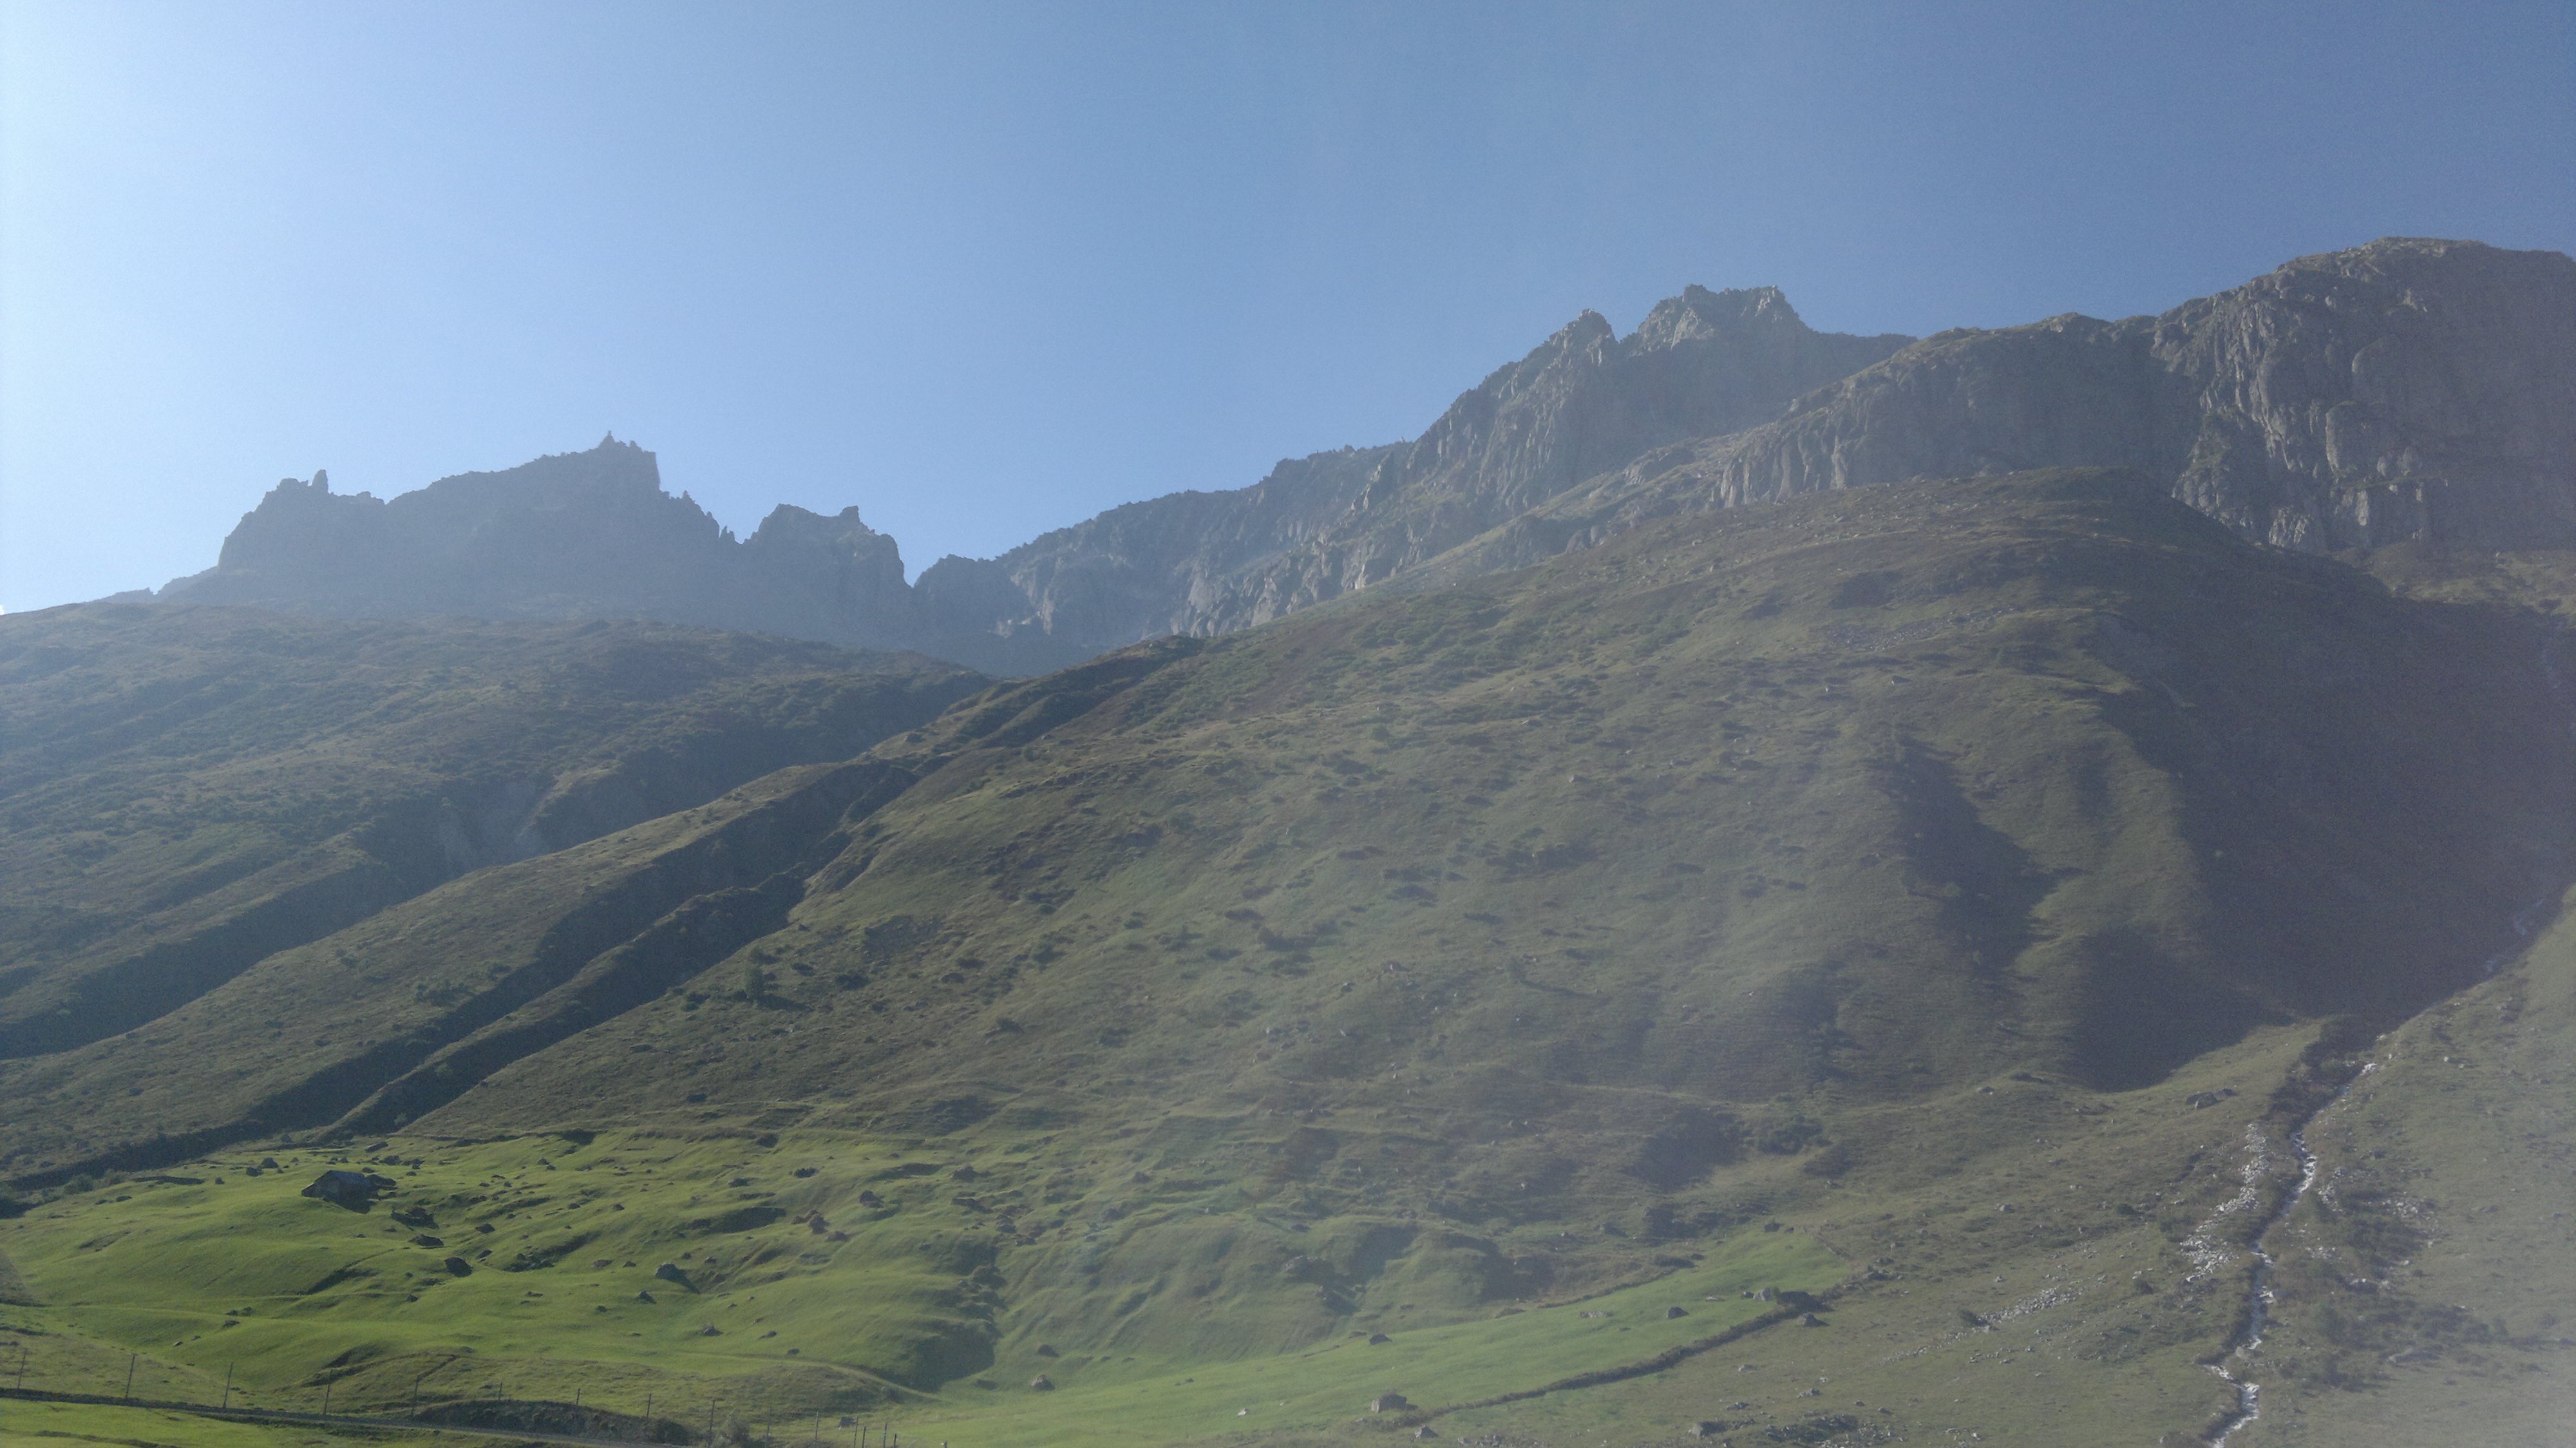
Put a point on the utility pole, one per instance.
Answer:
(326, 1397)
(130, 1360)
(228, 1385)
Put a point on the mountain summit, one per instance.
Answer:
(593, 535)
(2403, 391)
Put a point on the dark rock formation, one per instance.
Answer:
(343, 1189)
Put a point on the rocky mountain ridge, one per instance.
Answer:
(2403, 391)
(592, 534)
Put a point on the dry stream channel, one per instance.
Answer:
(2239, 1358)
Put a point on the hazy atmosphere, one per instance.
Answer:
(987, 270)
(1287, 726)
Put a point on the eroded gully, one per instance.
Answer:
(2238, 1361)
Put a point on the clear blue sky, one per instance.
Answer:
(985, 270)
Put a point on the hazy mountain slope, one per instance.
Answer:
(2398, 391)
(187, 790)
(1975, 879)
(592, 534)
(405, 999)
(1570, 897)
(1876, 782)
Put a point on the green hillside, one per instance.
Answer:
(188, 791)
(1934, 905)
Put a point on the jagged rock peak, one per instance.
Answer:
(790, 523)
(2410, 389)
(1699, 312)
(1588, 329)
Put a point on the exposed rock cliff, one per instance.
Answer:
(1584, 402)
(574, 535)
(2403, 390)
(593, 534)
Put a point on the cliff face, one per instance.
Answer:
(1583, 402)
(2399, 391)
(575, 535)
(592, 534)
(2402, 390)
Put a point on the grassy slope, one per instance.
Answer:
(288, 1293)
(189, 789)
(1533, 906)
(1869, 865)
(68, 1425)
(308, 1034)
(2430, 1282)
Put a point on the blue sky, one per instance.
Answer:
(985, 270)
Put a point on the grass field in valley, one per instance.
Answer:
(73, 1425)
(565, 1297)
(290, 1295)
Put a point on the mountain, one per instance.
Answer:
(1886, 939)
(1747, 885)
(1585, 402)
(572, 536)
(585, 535)
(188, 790)
(2404, 391)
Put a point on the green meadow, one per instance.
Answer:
(779, 1279)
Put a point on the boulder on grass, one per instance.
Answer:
(343, 1189)
(1389, 1403)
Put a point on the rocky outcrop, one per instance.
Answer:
(574, 535)
(2404, 390)
(1584, 402)
(353, 1190)
(593, 535)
